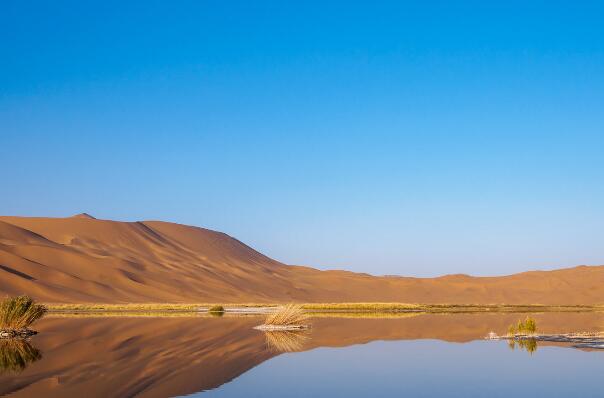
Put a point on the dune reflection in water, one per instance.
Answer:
(154, 356)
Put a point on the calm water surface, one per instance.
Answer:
(419, 355)
(423, 368)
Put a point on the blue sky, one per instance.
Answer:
(415, 138)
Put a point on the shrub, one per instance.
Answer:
(19, 312)
(528, 326)
(520, 327)
(216, 309)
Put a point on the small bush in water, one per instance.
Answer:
(19, 312)
(216, 308)
(528, 326)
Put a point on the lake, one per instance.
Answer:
(420, 355)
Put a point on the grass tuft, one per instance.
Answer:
(216, 308)
(19, 312)
(290, 315)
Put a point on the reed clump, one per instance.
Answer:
(290, 316)
(528, 326)
(18, 313)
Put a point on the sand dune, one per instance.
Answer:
(83, 259)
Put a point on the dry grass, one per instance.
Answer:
(585, 334)
(16, 354)
(370, 307)
(445, 308)
(176, 307)
(19, 312)
(128, 314)
(290, 315)
(285, 340)
(511, 308)
(364, 315)
(326, 307)
(125, 307)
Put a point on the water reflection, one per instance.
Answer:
(529, 345)
(175, 356)
(286, 341)
(16, 355)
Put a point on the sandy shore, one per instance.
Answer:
(577, 340)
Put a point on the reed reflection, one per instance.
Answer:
(286, 340)
(529, 345)
(16, 355)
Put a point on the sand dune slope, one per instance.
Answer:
(82, 259)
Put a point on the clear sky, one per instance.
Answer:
(415, 138)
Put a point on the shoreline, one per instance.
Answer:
(594, 340)
(265, 308)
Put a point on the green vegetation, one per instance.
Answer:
(528, 326)
(216, 308)
(290, 315)
(16, 354)
(530, 345)
(19, 312)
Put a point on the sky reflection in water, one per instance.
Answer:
(424, 368)
(415, 355)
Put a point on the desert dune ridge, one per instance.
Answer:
(82, 259)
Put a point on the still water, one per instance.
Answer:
(423, 368)
(425, 355)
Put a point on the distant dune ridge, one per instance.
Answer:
(83, 259)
